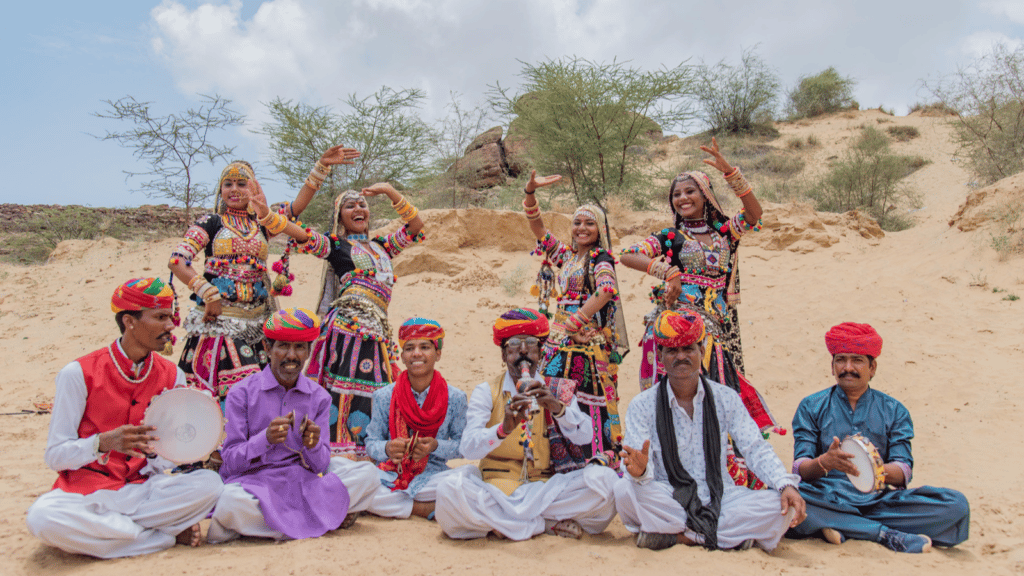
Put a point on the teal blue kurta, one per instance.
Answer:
(833, 502)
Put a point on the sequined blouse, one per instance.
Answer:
(236, 251)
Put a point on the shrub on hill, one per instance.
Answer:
(737, 99)
(870, 178)
(824, 92)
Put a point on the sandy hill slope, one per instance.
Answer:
(953, 353)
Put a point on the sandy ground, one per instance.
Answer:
(953, 351)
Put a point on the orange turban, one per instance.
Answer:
(520, 321)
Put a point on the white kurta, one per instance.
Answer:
(136, 519)
(238, 512)
(468, 507)
(646, 503)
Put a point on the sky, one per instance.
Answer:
(62, 60)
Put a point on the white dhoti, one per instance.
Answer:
(468, 507)
(398, 504)
(238, 512)
(746, 514)
(137, 519)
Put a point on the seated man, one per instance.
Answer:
(416, 426)
(518, 495)
(110, 499)
(279, 478)
(904, 520)
(674, 454)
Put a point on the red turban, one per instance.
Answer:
(676, 329)
(139, 293)
(520, 321)
(851, 338)
(420, 329)
(292, 325)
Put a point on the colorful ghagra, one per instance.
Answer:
(354, 355)
(593, 366)
(219, 354)
(706, 275)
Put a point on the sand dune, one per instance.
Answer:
(953, 353)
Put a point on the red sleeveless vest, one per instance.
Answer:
(112, 401)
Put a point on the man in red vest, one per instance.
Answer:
(110, 498)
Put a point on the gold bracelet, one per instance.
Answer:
(276, 224)
(822, 466)
(409, 214)
(319, 167)
(737, 182)
(399, 204)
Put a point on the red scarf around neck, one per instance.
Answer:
(406, 416)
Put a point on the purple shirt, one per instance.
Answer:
(297, 495)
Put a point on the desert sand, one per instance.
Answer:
(952, 355)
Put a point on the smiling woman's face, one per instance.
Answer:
(687, 200)
(354, 216)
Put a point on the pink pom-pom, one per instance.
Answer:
(278, 267)
(291, 277)
(286, 291)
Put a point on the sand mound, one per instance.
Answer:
(992, 205)
(799, 228)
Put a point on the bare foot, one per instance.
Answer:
(422, 509)
(191, 536)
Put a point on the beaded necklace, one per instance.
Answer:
(696, 226)
(145, 371)
(238, 221)
(357, 237)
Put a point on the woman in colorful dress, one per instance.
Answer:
(588, 334)
(225, 328)
(697, 260)
(355, 354)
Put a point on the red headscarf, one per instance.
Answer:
(851, 338)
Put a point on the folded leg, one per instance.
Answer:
(942, 514)
(238, 513)
(360, 480)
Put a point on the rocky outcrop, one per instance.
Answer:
(483, 165)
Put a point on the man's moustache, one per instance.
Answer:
(849, 373)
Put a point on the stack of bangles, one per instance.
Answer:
(405, 210)
(663, 270)
(738, 183)
(532, 212)
(576, 321)
(208, 292)
(274, 222)
(317, 175)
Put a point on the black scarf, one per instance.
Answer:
(701, 519)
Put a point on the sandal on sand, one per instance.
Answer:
(349, 520)
(566, 529)
(655, 540)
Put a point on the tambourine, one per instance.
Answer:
(868, 463)
(188, 423)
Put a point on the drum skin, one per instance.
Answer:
(188, 423)
(868, 463)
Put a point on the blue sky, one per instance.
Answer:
(62, 59)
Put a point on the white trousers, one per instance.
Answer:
(137, 519)
(238, 512)
(468, 507)
(746, 514)
(398, 504)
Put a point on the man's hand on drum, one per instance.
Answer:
(128, 439)
(277, 432)
(791, 499)
(310, 434)
(838, 459)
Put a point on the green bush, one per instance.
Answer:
(824, 92)
(737, 99)
(869, 178)
(903, 133)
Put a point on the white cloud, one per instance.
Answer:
(1012, 9)
(981, 43)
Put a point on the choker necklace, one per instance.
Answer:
(357, 237)
(696, 226)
